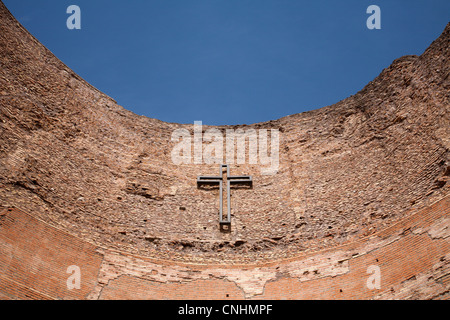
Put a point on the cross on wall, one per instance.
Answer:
(225, 224)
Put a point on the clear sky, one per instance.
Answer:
(230, 61)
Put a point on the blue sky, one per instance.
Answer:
(230, 61)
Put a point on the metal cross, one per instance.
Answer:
(225, 224)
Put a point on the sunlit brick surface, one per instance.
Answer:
(413, 256)
(34, 258)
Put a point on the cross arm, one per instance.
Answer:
(208, 180)
(240, 179)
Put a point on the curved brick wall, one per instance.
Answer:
(413, 258)
(79, 161)
(361, 183)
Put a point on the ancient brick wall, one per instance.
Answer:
(362, 182)
(413, 259)
(35, 258)
(79, 161)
